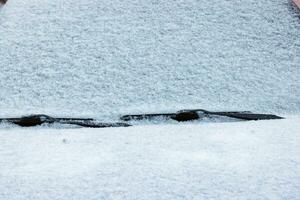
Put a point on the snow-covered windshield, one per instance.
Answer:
(101, 58)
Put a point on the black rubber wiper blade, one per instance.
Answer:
(248, 116)
(74, 119)
(245, 115)
(91, 124)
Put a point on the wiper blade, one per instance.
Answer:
(244, 115)
(196, 114)
(36, 120)
(92, 124)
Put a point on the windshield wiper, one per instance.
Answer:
(196, 114)
(36, 120)
(180, 116)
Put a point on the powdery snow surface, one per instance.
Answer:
(103, 58)
(242, 160)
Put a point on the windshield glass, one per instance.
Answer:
(87, 58)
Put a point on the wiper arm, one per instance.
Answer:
(36, 120)
(189, 115)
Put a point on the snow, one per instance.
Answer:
(103, 59)
(241, 160)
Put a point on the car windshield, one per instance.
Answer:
(102, 60)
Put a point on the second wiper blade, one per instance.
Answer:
(189, 115)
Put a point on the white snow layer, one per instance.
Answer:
(102, 58)
(242, 160)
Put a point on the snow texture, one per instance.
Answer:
(241, 160)
(103, 58)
